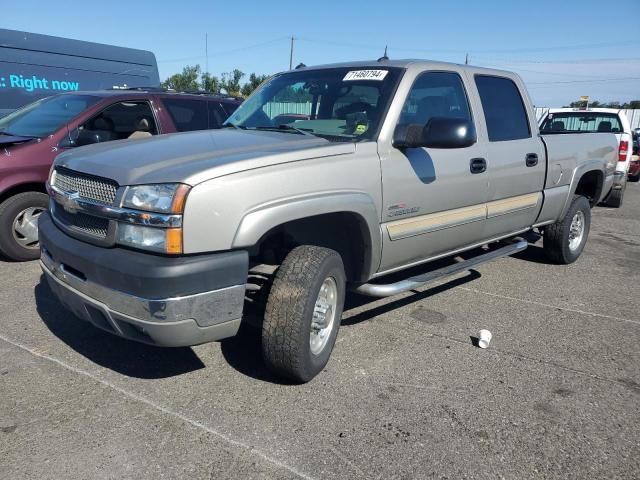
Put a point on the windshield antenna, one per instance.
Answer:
(384, 57)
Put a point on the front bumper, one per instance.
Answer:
(634, 168)
(164, 301)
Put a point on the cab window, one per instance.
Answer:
(435, 94)
(504, 110)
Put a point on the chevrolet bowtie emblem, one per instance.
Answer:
(69, 202)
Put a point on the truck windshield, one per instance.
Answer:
(45, 116)
(581, 122)
(339, 104)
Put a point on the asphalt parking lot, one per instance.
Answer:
(405, 395)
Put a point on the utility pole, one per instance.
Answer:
(206, 52)
(291, 54)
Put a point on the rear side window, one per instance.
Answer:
(229, 108)
(217, 115)
(503, 107)
(186, 114)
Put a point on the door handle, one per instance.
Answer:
(477, 165)
(532, 159)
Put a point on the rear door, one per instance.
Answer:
(516, 162)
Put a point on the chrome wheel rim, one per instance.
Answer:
(25, 227)
(324, 313)
(576, 230)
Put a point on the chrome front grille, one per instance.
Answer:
(89, 225)
(89, 187)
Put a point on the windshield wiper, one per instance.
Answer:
(288, 128)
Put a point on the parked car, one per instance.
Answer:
(154, 241)
(31, 137)
(634, 166)
(597, 120)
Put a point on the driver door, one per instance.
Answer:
(433, 201)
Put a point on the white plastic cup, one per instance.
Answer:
(484, 338)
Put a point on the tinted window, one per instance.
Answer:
(45, 116)
(503, 107)
(119, 121)
(216, 115)
(435, 94)
(187, 114)
(229, 108)
(568, 122)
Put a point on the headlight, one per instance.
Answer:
(163, 240)
(162, 198)
(165, 198)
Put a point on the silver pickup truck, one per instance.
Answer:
(333, 177)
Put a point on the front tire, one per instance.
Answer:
(303, 313)
(564, 240)
(19, 225)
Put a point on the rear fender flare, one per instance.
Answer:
(578, 173)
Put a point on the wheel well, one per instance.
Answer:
(24, 187)
(345, 232)
(590, 186)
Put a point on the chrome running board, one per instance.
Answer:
(389, 289)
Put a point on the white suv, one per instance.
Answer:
(597, 120)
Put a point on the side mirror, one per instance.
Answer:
(439, 132)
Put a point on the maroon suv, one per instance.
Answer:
(31, 137)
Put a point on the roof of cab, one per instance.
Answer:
(404, 63)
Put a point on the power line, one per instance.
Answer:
(571, 82)
(475, 52)
(226, 52)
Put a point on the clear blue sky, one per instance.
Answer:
(563, 49)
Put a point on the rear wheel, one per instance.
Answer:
(19, 225)
(303, 313)
(564, 241)
(615, 197)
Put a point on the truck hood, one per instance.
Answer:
(194, 157)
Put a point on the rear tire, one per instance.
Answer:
(564, 240)
(615, 197)
(19, 227)
(303, 313)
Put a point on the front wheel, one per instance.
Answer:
(564, 240)
(303, 313)
(19, 225)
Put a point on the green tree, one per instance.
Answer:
(187, 80)
(231, 82)
(210, 83)
(253, 83)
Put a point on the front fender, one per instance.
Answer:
(260, 220)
